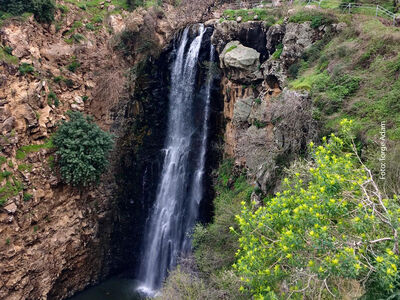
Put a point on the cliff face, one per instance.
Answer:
(266, 123)
(56, 240)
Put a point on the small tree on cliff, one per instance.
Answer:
(82, 149)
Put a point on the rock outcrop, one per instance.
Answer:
(266, 123)
(242, 63)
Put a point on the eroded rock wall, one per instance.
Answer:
(55, 239)
(266, 123)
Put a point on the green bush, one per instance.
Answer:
(82, 149)
(53, 99)
(42, 9)
(329, 226)
(25, 68)
(73, 66)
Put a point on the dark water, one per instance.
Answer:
(116, 288)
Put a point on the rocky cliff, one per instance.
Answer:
(55, 239)
(266, 123)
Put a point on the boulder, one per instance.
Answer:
(59, 52)
(11, 208)
(251, 34)
(17, 39)
(297, 39)
(242, 63)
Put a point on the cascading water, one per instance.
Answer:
(180, 189)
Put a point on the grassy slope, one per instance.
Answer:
(356, 75)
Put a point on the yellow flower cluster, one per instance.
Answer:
(311, 225)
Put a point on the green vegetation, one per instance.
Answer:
(24, 150)
(257, 101)
(74, 65)
(82, 150)
(53, 99)
(278, 51)
(10, 189)
(355, 74)
(269, 16)
(25, 68)
(43, 10)
(6, 56)
(259, 124)
(25, 167)
(2, 160)
(4, 175)
(317, 18)
(231, 48)
(27, 197)
(75, 38)
(329, 225)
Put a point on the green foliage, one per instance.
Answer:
(316, 18)
(75, 38)
(24, 150)
(271, 17)
(26, 68)
(27, 197)
(278, 51)
(53, 99)
(231, 48)
(214, 245)
(42, 9)
(2, 160)
(10, 189)
(328, 91)
(328, 226)
(4, 175)
(73, 66)
(58, 79)
(90, 26)
(259, 124)
(82, 150)
(64, 9)
(97, 19)
(25, 167)
(6, 55)
(69, 82)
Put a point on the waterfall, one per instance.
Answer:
(180, 189)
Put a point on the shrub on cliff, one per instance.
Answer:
(329, 230)
(82, 149)
(42, 9)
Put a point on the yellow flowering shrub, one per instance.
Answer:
(333, 226)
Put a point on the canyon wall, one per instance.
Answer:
(267, 124)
